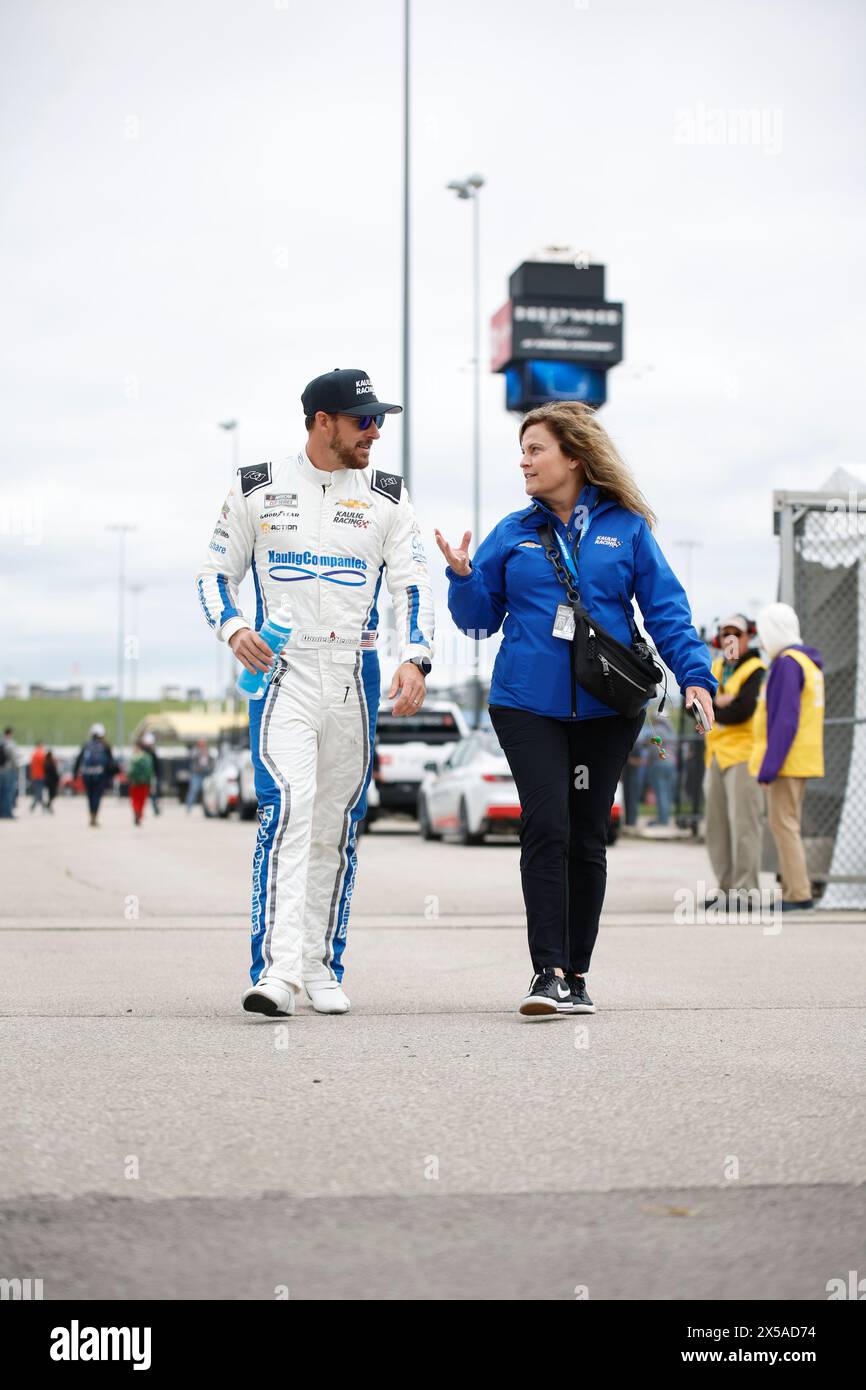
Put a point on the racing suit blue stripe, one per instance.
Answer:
(274, 805)
(414, 635)
(335, 937)
(203, 601)
(372, 618)
(229, 610)
(260, 611)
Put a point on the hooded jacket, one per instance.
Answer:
(512, 585)
(779, 633)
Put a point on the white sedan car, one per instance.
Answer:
(473, 794)
(230, 786)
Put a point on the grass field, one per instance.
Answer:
(62, 722)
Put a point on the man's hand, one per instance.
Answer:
(250, 650)
(412, 686)
(458, 559)
(721, 700)
(703, 698)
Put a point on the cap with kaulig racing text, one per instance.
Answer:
(346, 391)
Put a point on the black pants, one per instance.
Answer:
(563, 826)
(94, 786)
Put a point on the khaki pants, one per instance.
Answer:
(784, 812)
(733, 802)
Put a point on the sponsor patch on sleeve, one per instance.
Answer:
(255, 476)
(389, 485)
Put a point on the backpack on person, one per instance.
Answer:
(141, 771)
(94, 759)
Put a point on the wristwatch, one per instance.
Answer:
(424, 664)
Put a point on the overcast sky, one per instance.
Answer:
(201, 210)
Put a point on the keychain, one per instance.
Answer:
(657, 740)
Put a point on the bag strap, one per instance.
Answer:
(554, 555)
(643, 648)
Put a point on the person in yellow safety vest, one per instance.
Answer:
(788, 741)
(732, 797)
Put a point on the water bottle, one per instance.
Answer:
(276, 631)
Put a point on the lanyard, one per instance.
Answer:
(566, 554)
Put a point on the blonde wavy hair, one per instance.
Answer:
(581, 436)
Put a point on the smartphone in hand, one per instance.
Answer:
(696, 710)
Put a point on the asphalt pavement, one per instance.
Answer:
(701, 1136)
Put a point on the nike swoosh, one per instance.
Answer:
(565, 995)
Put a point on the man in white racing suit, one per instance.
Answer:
(319, 528)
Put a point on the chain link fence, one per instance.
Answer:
(823, 576)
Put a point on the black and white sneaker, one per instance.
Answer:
(580, 1000)
(717, 897)
(548, 994)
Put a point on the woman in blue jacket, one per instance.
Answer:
(565, 748)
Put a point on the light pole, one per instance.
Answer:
(121, 528)
(231, 427)
(407, 416)
(688, 547)
(135, 590)
(469, 188)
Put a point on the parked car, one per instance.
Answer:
(230, 786)
(406, 744)
(617, 814)
(473, 795)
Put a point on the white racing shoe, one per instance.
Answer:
(327, 997)
(270, 997)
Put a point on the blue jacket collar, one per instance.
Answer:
(589, 498)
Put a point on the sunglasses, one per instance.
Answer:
(365, 421)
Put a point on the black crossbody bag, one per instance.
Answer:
(622, 677)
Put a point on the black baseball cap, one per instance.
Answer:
(344, 391)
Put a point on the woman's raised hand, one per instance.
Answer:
(458, 559)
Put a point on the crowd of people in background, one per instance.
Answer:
(766, 743)
(96, 767)
(44, 778)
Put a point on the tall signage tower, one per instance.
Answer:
(557, 336)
